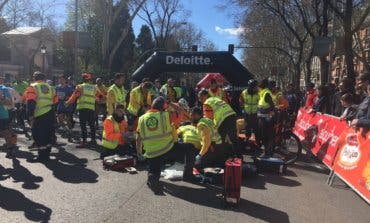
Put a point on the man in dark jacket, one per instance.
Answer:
(362, 119)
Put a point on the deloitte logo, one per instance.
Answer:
(190, 60)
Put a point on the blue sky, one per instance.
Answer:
(217, 24)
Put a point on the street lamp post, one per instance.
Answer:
(43, 52)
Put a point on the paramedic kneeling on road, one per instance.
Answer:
(157, 136)
(114, 128)
(223, 116)
(212, 152)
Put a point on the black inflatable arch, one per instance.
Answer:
(195, 62)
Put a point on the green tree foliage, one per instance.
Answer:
(123, 60)
(144, 40)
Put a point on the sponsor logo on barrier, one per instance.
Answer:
(324, 135)
(190, 60)
(350, 155)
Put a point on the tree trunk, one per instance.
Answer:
(324, 64)
(324, 70)
(308, 75)
(348, 40)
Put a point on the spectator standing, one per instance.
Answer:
(344, 87)
(5, 130)
(311, 96)
(362, 118)
(350, 109)
(321, 104)
(64, 91)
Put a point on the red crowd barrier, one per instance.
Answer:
(319, 133)
(341, 148)
(352, 163)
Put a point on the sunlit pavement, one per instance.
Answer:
(73, 187)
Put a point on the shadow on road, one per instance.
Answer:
(12, 200)
(70, 169)
(260, 181)
(207, 197)
(21, 174)
(311, 163)
(66, 167)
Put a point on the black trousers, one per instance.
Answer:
(228, 133)
(215, 158)
(179, 152)
(266, 133)
(87, 116)
(43, 131)
(20, 115)
(252, 124)
(100, 109)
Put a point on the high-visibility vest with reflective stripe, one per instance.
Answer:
(220, 108)
(215, 136)
(219, 93)
(262, 102)
(190, 135)
(139, 97)
(44, 98)
(250, 102)
(107, 143)
(119, 94)
(156, 133)
(275, 97)
(87, 97)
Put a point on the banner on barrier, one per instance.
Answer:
(319, 133)
(352, 162)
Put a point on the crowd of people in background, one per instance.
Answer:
(348, 100)
(151, 116)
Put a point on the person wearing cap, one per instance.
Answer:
(157, 136)
(114, 128)
(116, 93)
(215, 90)
(311, 96)
(265, 116)
(223, 116)
(101, 100)
(168, 90)
(249, 101)
(5, 129)
(40, 101)
(85, 95)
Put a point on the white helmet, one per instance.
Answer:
(184, 104)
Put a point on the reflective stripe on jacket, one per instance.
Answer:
(221, 110)
(86, 100)
(155, 130)
(44, 98)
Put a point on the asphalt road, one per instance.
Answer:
(73, 187)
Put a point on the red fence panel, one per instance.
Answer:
(352, 163)
(319, 133)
